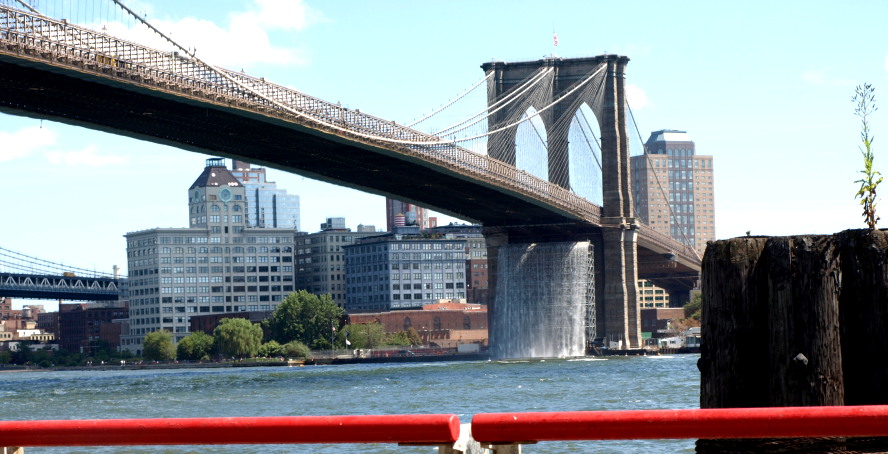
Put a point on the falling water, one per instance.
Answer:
(544, 304)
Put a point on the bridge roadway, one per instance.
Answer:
(60, 81)
(72, 288)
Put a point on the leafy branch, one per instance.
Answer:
(865, 97)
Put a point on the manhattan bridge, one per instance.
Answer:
(544, 160)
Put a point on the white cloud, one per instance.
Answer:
(280, 14)
(636, 96)
(21, 143)
(242, 42)
(886, 63)
(89, 156)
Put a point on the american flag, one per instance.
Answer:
(555, 37)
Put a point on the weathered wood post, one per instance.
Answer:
(795, 321)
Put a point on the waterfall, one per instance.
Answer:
(544, 304)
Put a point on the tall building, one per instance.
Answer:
(399, 214)
(403, 270)
(673, 188)
(267, 206)
(218, 264)
(320, 259)
(477, 278)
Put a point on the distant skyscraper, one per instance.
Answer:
(399, 214)
(267, 206)
(673, 188)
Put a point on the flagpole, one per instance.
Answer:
(554, 42)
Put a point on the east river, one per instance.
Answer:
(463, 388)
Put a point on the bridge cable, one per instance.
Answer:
(672, 215)
(485, 79)
(207, 72)
(226, 75)
(26, 5)
(498, 105)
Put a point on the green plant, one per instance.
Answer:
(195, 346)
(158, 346)
(237, 337)
(865, 97)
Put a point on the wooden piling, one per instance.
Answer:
(795, 321)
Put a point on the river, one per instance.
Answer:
(463, 388)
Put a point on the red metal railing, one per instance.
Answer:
(775, 422)
(442, 430)
(412, 429)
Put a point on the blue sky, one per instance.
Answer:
(764, 87)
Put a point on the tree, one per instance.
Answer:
(413, 335)
(363, 335)
(196, 346)
(692, 310)
(296, 349)
(399, 338)
(158, 346)
(237, 337)
(865, 97)
(305, 317)
(270, 349)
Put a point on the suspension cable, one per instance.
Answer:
(529, 117)
(672, 215)
(439, 141)
(586, 138)
(22, 2)
(496, 106)
(451, 102)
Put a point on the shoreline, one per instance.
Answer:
(309, 362)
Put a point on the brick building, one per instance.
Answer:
(445, 325)
(81, 324)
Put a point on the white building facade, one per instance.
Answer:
(216, 265)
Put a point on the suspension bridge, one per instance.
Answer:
(23, 276)
(571, 186)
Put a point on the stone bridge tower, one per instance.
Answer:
(616, 264)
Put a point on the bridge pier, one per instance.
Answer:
(621, 314)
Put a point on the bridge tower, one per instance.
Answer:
(616, 270)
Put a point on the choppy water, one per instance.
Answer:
(463, 388)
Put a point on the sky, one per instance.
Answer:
(764, 87)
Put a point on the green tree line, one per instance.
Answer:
(301, 322)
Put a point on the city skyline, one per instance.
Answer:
(773, 107)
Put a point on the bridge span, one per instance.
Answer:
(55, 70)
(23, 276)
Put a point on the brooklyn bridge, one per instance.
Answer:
(53, 69)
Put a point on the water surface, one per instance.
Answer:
(463, 388)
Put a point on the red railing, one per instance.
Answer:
(774, 422)
(495, 429)
(408, 429)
